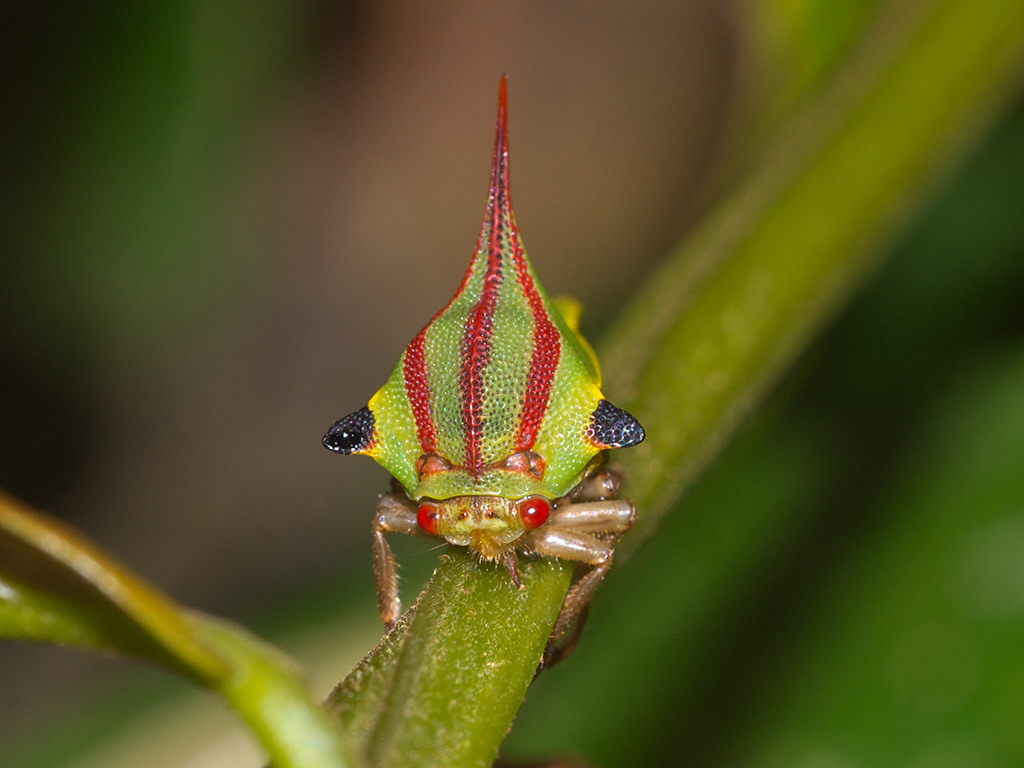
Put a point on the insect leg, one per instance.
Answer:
(395, 513)
(597, 485)
(586, 533)
(613, 517)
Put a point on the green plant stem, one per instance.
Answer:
(717, 325)
(63, 589)
(452, 687)
(266, 688)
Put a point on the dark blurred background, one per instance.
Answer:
(221, 223)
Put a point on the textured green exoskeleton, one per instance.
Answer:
(493, 415)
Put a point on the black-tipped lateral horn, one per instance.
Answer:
(352, 434)
(612, 427)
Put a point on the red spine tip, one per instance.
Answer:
(501, 137)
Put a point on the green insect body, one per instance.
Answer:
(494, 410)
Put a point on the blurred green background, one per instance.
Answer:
(223, 221)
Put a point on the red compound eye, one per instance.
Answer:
(534, 512)
(426, 518)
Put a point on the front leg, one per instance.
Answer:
(395, 513)
(585, 532)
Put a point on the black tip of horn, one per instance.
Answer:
(612, 427)
(351, 434)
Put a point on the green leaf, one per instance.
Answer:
(56, 587)
(61, 589)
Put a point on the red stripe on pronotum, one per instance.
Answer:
(476, 341)
(414, 371)
(547, 349)
(476, 349)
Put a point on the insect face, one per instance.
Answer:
(488, 525)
